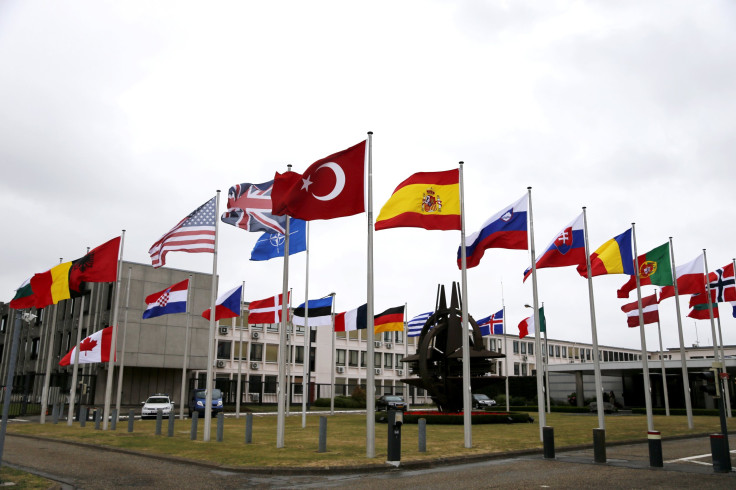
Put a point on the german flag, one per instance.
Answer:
(391, 320)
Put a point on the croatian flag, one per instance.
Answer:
(171, 300)
(505, 229)
(492, 324)
(227, 306)
(568, 248)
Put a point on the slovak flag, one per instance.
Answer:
(171, 300)
(505, 229)
(266, 310)
(227, 306)
(568, 248)
(491, 324)
(95, 348)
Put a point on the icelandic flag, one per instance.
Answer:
(171, 300)
(505, 229)
(416, 324)
(228, 305)
(271, 245)
(568, 248)
(491, 324)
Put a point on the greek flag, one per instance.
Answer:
(417, 323)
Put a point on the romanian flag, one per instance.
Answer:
(51, 286)
(613, 257)
(429, 200)
(391, 320)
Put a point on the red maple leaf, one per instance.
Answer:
(87, 344)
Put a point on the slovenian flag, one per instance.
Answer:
(568, 248)
(505, 229)
(171, 300)
(228, 305)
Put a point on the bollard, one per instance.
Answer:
(131, 419)
(55, 413)
(395, 421)
(98, 418)
(195, 419)
(82, 416)
(159, 419)
(599, 445)
(720, 453)
(422, 435)
(172, 416)
(248, 428)
(548, 439)
(322, 435)
(113, 419)
(220, 426)
(655, 449)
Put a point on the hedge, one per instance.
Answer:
(458, 419)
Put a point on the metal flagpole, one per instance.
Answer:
(238, 389)
(75, 369)
(122, 348)
(664, 371)
(211, 335)
(726, 395)
(307, 335)
(186, 349)
(643, 337)
(47, 376)
(332, 363)
(114, 338)
(287, 357)
(545, 357)
(594, 332)
(467, 402)
(537, 325)
(683, 355)
(370, 384)
(280, 390)
(506, 361)
(716, 355)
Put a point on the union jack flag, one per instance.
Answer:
(249, 208)
(492, 324)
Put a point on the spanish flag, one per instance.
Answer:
(613, 257)
(429, 200)
(391, 320)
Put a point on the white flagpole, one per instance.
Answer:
(716, 355)
(370, 385)
(545, 358)
(664, 371)
(186, 350)
(683, 355)
(211, 337)
(726, 395)
(307, 335)
(47, 376)
(332, 362)
(122, 348)
(238, 389)
(537, 325)
(506, 360)
(642, 335)
(467, 402)
(594, 332)
(75, 369)
(280, 390)
(114, 341)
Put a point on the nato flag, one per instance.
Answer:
(271, 245)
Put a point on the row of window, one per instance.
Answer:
(386, 359)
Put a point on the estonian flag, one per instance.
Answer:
(320, 313)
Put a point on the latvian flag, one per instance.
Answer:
(649, 307)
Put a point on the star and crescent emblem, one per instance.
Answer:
(339, 181)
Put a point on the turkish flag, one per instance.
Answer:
(330, 188)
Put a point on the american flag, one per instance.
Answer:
(492, 324)
(193, 234)
(249, 208)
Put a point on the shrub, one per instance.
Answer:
(358, 395)
(340, 402)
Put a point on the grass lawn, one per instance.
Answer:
(21, 479)
(346, 438)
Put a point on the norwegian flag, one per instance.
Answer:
(249, 208)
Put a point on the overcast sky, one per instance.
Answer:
(128, 115)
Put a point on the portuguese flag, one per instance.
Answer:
(654, 267)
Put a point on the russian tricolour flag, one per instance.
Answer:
(171, 300)
(568, 248)
(228, 305)
(505, 229)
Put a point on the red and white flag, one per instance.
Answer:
(690, 279)
(649, 308)
(95, 348)
(265, 310)
(526, 327)
(193, 234)
(330, 188)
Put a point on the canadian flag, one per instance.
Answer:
(265, 310)
(95, 348)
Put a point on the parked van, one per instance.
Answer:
(198, 400)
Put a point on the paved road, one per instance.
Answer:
(85, 467)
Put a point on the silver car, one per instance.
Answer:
(154, 403)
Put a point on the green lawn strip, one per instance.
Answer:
(346, 438)
(21, 479)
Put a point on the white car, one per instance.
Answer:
(154, 403)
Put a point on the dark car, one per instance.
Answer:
(481, 400)
(198, 400)
(391, 402)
